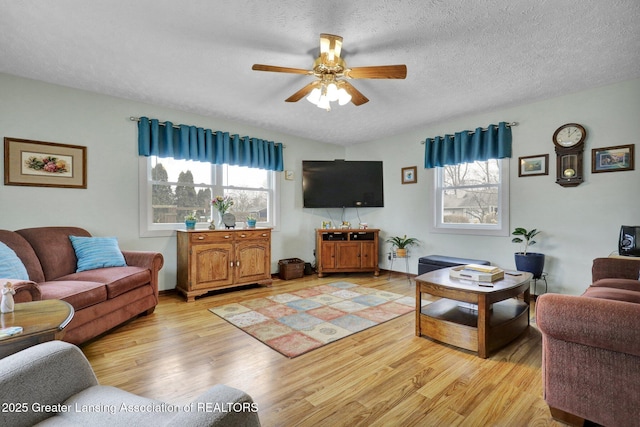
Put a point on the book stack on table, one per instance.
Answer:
(477, 272)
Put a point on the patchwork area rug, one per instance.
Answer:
(297, 322)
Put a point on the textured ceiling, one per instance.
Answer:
(463, 57)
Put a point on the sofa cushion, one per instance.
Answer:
(25, 252)
(53, 248)
(11, 266)
(629, 284)
(80, 294)
(118, 280)
(96, 252)
(613, 294)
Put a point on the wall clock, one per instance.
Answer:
(569, 142)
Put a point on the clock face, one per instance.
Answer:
(569, 135)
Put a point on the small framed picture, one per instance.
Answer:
(612, 159)
(410, 175)
(44, 164)
(534, 165)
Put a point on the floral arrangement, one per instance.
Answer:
(46, 164)
(222, 204)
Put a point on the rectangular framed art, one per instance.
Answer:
(44, 164)
(612, 159)
(533, 165)
(410, 175)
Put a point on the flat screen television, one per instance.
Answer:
(342, 184)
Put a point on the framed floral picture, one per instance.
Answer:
(534, 165)
(612, 159)
(44, 164)
(410, 175)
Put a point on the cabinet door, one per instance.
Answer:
(348, 255)
(328, 255)
(211, 265)
(368, 256)
(253, 261)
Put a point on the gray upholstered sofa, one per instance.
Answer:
(52, 384)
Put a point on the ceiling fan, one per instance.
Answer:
(331, 71)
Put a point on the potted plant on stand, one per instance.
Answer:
(402, 243)
(532, 262)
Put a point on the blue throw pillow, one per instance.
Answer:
(11, 267)
(97, 252)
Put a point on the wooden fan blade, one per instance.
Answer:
(356, 97)
(262, 67)
(303, 92)
(377, 72)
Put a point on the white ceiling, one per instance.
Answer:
(463, 57)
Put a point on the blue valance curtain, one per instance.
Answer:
(164, 139)
(494, 142)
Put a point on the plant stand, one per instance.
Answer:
(542, 278)
(393, 256)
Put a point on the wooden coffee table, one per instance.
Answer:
(497, 318)
(41, 321)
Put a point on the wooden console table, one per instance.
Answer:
(497, 318)
(347, 250)
(41, 321)
(217, 259)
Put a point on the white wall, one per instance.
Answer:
(109, 206)
(578, 224)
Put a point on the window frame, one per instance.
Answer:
(500, 229)
(150, 229)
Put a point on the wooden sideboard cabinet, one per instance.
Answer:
(346, 250)
(216, 259)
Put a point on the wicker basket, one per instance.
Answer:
(291, 268)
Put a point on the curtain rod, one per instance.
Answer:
(471, 132)
(137, 119)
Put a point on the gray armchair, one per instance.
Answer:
(52, 384)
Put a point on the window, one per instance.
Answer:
(171, 189)
(473, 198)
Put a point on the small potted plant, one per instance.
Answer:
(402, 243)
(532, 262)
(190, 221)
(251, 221)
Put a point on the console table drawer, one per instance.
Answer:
(210, 237)
(252, 234)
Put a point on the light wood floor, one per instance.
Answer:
(384, 376)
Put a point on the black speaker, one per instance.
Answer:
(629, 243)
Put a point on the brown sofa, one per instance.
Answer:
(102, 298)
(591, 347)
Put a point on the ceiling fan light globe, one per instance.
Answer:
(314, 96)
(323, 102)
(343, 97)
(332, 92)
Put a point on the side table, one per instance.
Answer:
(41, 321)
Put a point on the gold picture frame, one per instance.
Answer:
(44, 164)
(410, 175)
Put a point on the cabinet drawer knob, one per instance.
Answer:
(264, 234)
(243, 235)
(200, 237)
(227, 237)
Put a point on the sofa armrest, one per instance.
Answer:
(222, 406)
(26, 290)
(594, 322)
(146, 259)
(45, 374)
(615, 268)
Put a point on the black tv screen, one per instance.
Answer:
(342, 184)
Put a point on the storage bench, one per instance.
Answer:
(436, 262)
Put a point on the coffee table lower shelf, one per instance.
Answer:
(452, 322)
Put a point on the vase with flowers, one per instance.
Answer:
(221, 204)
